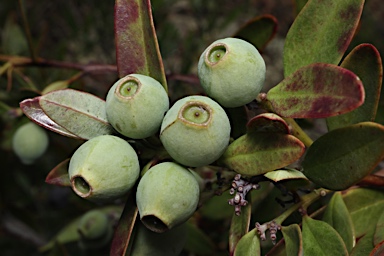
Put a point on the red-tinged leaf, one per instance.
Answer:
(137, 49)
(81, 113)
(379, 230)
(364, 61)
(342, 157)
(123, 232)
(293, 240)
(249, 244)
(267, 122)
(260, 152)
(32, 109)
(316, 91)
(378, 250)
(321, 32)
(59, 175)
(258, 31)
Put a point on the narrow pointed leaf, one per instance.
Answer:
(267, 122)
(288, 174)
(249, 244)
(260, 152)
(258, 31)
(337, 215)
(316, 91)
(342, 157)
(364, 245)
(320, 239)
(379, 230)
(365, 207)
(32, 109)
(321, 32)
(59, 175)
(364, 61)
(378, 250)
(293, 240)
(81, 113)
(137, 49)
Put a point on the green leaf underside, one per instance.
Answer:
(379, 230)
(258, 31)
(198, 242)
(344, 156)
(337, 215)
(59, 175)
(137, 49)
(319, 238)
(365, 207)
(239, 225)
(321, 32)
(260, 152)
(288, 174)
(364, 245)
(249, 244)
(81, 113)
(267, 122)
(365, 61)
(32, 109)
(293, 240)
(316, 91)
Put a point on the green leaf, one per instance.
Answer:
(198, 243)
(364, 245)
(293, 240)
(288, 174)
(260, 152)
(365, 207)
(217, 208)
(379, 231)
(249, 244)
(258, 31)
(267, 122)
(57, 85)
(137, 49)
(316, 91)
(32, 109)
(342, 157)
(80, 113)
(59, 175)
(337, 215)
(378, 250)
(299, 4)
(321, 32)
(319, 238)
(364, 61)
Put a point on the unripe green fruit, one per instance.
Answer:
(150, 243)
(167, 195)
(195, 131)
(29, 142)
(232, 72)
(103, 168)
(135, 106)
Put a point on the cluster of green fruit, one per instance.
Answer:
(195, 131)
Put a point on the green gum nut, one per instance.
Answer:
(232, 72)
(29, 142)
(135, 106)
(167, 196)
(195, 131)
(150, 243)
(103, 168)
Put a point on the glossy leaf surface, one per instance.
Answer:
(365, 61)
(137, 49)
(365, 207)
(293, 240)
(344, 156)
(316, 91)
(321, 32)
(379, 230)
(249, 244)
(267, 122)
(337, 215)
(59, 175)
(260, 152)
(320, 239)
(258, 31)
(81, 113)
(288, 174)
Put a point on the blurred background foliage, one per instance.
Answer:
(81, 32)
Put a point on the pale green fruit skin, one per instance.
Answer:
(192, 144)
(167, 196)
(29, 142)
(237, 78)
(150, 243)
(139, 115)
(108, 164)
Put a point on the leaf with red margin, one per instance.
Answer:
(137, 49)
(59, 175)
(259, 31)
(267, 122)
(378, 250)
(32, 109)
(321, 32)
(316, 91)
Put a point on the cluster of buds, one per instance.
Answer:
(273, 228)
(240, 187)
